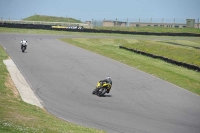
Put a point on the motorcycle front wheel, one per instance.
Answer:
(23, 49)
(102, 92)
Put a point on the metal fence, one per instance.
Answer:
(164, 22)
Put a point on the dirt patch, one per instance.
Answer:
(10, 85)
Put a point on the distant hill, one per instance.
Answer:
(51, 19)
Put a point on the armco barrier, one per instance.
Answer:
(49, 27)
(189, 66)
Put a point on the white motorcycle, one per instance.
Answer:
(23, 45)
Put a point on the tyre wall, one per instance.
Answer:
(178, 63)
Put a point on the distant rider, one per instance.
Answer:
(107, 80)
(23, 42)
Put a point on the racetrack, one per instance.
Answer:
(63, 77)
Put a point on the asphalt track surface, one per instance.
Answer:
(63, 77)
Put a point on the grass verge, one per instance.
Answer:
(17, 116)
(179, 53)
(179, 76)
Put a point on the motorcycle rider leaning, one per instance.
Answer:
(107, 80)
(23, 42)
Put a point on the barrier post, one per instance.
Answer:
(174, 23)
(116, 22)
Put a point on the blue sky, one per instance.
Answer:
(99, 9)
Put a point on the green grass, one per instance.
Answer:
(153, 29)
(51, 19)
(179, 76)
(17, 116)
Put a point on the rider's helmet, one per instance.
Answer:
(108, 77)
(23, 40)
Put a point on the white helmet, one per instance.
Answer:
(108, 77)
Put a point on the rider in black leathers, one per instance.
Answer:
(107, 80)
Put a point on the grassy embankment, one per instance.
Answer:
(51, 19)
(17, 116)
